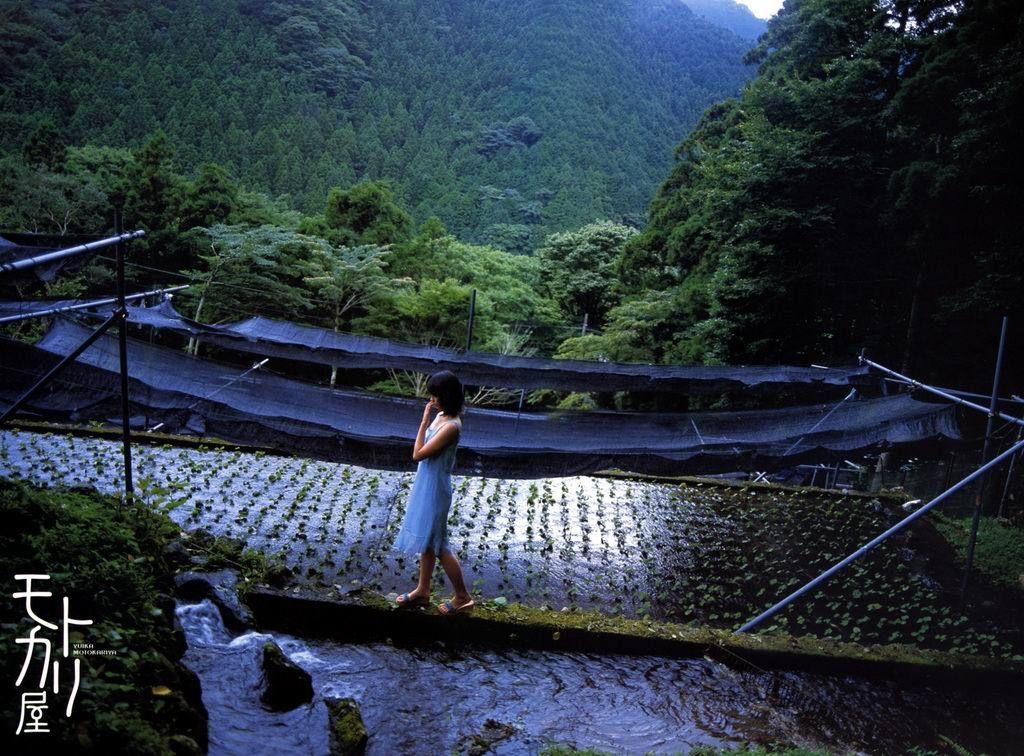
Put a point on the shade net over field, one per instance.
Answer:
(275, 338)
(196, 396)
(18, 247)
(34, 306)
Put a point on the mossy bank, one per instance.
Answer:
(116, 565)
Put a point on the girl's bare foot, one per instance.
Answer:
(456, 604)
(415, 597)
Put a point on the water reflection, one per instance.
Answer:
(430, 700)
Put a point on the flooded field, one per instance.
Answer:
(704, 554)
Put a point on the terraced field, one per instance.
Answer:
(700, 553)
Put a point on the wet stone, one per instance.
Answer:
(287, 684)
(219, 587)
(348, 733)
(176, 554)
(183, 745)
(480, 743)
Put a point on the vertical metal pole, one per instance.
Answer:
(122, 338)
(472, 314)
(522, 396)
(980, 496)
(1009, 475)
(949, 469)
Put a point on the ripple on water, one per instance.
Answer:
(425, 700)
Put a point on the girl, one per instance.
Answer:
(425, 527)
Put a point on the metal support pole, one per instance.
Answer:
(238, 377)
(20, 402)
(522, 396)
(870, 545)
(59, 254)
(992, 408)
(1009, 475)
(979, 497)
(969, 394)
(472, 314)
(87, 305)
(122, 338)
(942, 393)
(949, 469)
(853, 393)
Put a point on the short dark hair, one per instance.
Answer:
(447, 387)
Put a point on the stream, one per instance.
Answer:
(431, 700)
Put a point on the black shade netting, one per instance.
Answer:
(19, 247)
(302, 343)
(36, 306)
(195, 396)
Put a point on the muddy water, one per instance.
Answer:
(431, 700)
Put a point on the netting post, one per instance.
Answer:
(949, 469)
(980, 495)
(1009, 475)
(472, 314)
(122, 339)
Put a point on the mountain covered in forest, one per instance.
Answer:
(505, 120)
(862, 190)
(730, 15)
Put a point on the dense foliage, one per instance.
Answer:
(477, 113)
(862, 191)
(108, 561)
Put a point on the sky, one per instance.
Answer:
(763, 8)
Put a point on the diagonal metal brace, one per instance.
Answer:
(20, 402)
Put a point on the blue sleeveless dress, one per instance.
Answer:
(426, 513)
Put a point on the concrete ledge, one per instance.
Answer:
(368, 617)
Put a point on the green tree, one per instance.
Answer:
(249, 271)
(577, 268)
(38, 200)
(45, 148)
(153, 202)
(367, 213)
(344, 282)
(211, 199)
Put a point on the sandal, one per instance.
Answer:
(449, 608)
(404, 600)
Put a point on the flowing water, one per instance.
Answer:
(431, 700)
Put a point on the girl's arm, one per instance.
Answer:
(446, 435)
(441, 439)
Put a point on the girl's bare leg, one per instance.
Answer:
(427, 561)
(453, 570)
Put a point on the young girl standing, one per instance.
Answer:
(424, 529)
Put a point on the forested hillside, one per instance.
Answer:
(505, 120)
(863, 190)
(729, 15)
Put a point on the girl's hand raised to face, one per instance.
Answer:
(431, 406)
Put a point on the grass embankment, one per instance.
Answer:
(113, 565)
(998, 551)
